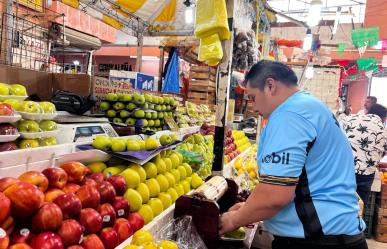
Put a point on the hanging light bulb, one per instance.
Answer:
(189, 12)
(314, 15)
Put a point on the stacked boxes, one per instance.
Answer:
(202, 85)
(381, 219)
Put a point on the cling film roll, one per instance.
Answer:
(213, 189)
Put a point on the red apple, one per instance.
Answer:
(70, 232)
(118, 183)
(92, 241)
(47, 240)
(4, 239)
(107, 192)
(52, 194)
(91, 220)
(36, 178)
(57, 177)
(8, 225)
(98, 177)
(89, 181)
(89, 196)
(23, 235)
(26, 198)
(5, 109)
(48, 218)
(123, 229)
(20, 246)
(76, 171)
(109, 238)
(75, 247)
(6, 182)
(136, 221)
(8, 146)
(5, 207)
(69, 204)
(108, 214)
(71, 188)
(121, 206)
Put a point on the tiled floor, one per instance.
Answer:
(372, 244)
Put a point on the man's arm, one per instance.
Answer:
(264, 202)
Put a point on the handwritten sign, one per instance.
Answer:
(171, 123)
(103, 86)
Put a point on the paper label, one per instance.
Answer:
(121, 212)
(106, 218)
(2, 233)
(24, 232)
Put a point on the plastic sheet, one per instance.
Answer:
(365, 64)
(210, 50)
(211, 18)
(365, 37)
(182, 230)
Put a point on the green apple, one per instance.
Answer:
(163, 182)
(151, 106)
(48, 125)
(166, 199)
(118, 144)
(97, 167)
(159, 129)
(142, 144)
(147, 213)
(28, 143)
(101, 142)
(154, 115)
(151, 143)
(168, 107)
(132, 178)
(30, 107)
(140, 170)
(112, 97)
(132, 145)
(176, 175)
(14, 103)
(143, 190)
(118, 120)
(47, 107)
(18, 90)
(156, 205)
(130, 122)
(104, 106)
(151, 123)
(139, 113)
(157, 123)
(142, 122)
(118, 106)
(170, 178)
(112, 171)
(111, 113)
(155, 99)
(28, 126)
(4, 89)
(125, 97)
(163, 107)
(165, 139)
(138, 99)
(124, 114)
(131, 106)
(48, 141)
(166, 100)
(150, 169)
(160, 115)
(168, 163)
(146, 106)
(148, 115)
(158, 108)
(154, 187)
(161, 100)
(148, 98)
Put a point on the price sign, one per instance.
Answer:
(171, 123)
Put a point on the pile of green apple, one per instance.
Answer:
(141, 110)
(31, 106)
(154, 186)
(122, 144)
(32, 126)
(203, 145)
(14, 89)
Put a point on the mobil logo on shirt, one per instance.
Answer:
(277, 158)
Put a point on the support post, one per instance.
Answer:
(223, 79)
(161, 69)
(140, 43)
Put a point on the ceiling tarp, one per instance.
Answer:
(154, 16)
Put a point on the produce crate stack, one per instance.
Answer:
(381, 226)
(202, 85)
(369, 214)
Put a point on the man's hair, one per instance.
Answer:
(379, 110)
(270, 69)
(373, 99)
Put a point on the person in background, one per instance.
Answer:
(369, 101)
(368, 138)
(307, 188)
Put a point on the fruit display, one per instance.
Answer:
(231, 150)
(65, 207)
(144, 239)
(13, 90)
(202, 146)
(122, 144)
(192, 114)
(144, 111)
(246, 169)
(8, 131)
(241, 141)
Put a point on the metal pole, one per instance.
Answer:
(223, 80)
(161, 69)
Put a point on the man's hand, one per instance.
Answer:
(226, 223)
(236, 206)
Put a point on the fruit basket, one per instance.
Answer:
(10, 119)
(8, 138)
(38, 116)
(35, 135)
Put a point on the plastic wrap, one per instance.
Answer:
(8, 129)
(182, 230)
(191, 157)
(210, 50)
(211, 18)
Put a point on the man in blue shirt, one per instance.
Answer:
(307, 190)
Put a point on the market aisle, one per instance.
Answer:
(372, 244)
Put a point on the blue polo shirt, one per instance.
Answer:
(302, 145)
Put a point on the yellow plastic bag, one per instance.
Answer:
(210, 50)
(211, 18)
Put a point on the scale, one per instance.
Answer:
(82, 129)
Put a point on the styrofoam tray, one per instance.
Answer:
(4, 97)
(38, 116)
(34, 135)
(8, 138)
(10, 119)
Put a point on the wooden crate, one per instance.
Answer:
(202, 76)
(381, 237)
(205, 69)
(202, 86)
